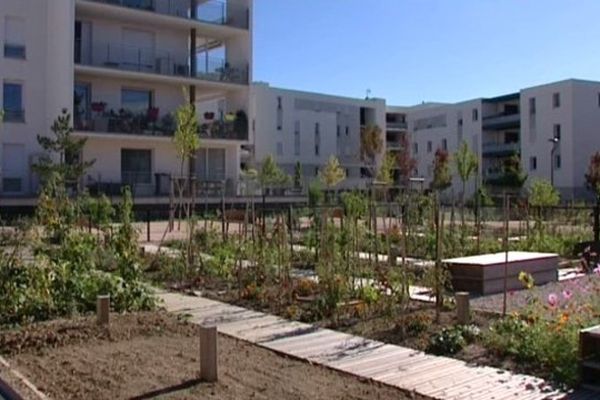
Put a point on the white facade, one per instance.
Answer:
(121, 69)
(295, 126)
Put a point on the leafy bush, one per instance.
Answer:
(452, 340)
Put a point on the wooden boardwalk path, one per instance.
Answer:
(437, 377)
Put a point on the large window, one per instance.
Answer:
(297, 138)
(210, 164)
(14, 31)
(135, 100)
(136, 166)
(82, 104)
(13, 102)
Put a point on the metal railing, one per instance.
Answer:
(493, 148)
(396, 125)
(14, 115)
(153, 61)
(126, 122)
(224, 130)
(227, 13)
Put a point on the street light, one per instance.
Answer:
(554, 142)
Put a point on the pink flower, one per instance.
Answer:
(567, 294)
(597, 270)
(552, 300)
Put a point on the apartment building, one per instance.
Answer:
(295, 126)
(551, 128)
(122, 67)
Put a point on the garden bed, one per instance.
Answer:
(152, 355)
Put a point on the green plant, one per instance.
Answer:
(543, 194)
(447, 341)
(442, 177)
(467, 164)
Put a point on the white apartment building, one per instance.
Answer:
(121, 67)
(295, 126)
(557, 119)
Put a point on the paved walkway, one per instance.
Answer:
(438, 377)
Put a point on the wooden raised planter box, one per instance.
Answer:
(589, 348)
(484, 274)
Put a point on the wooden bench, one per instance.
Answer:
(589, 350)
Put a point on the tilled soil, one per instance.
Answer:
(153, 355)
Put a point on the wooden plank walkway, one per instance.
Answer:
(410, 370)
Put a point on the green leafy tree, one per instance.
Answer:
(442, 178)
(592, 177)
(404, 161)
(513, 176)
(186, 138)
(62, 155)
(385, 174)
(332, 173)
(371, 146)
(466, 165)
(543, 194)
(271, 175)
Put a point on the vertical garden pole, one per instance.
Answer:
(506, 223)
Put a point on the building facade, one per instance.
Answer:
(550, 129)
(122, 68)
(307, 128)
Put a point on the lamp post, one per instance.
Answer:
(554, 142)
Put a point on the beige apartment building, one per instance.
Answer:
(121, 68)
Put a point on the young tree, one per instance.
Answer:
(186, 138)
(405, 163)
(513, 176)
(543, 194)
(592, 177)
(442, 178)
(332, 173)
(385, 174)
(466, 166)
(271, 175)
(371, 146)
(62, 156)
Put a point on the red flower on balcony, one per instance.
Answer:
(153, 114)
(98, 106)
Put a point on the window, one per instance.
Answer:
(429, 146)
(82, 104)
(598, 99)
(338, 130)
(253, 125)
(136, 100)
(13, 102)
(279, 103)
(557, 162)
(532, 106)
(347, 130)
(415, 148)
(14, 168)
(14, 44)
(557, 131)
(532, 163)
(297, 138)
(556, 100)
(279, 114)
(136, 166)
(317, 149)
(210, 164)
(316, 171)
(317, 139)
(444, 144)
(475, 114)
(279, 149)
(460, 122)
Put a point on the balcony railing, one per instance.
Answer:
(150, 124)
(13, 115)
(139, 59)
(500, 149)
(396, 125)
(127, 122)
(502, 121)
(216, 12)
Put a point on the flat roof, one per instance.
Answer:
(499, 258)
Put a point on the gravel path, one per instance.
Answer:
(580, 288)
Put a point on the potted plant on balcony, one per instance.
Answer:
(98, 106)
(209, 115)
(100, 120)
(151, 118)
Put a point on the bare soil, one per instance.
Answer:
(154, 355)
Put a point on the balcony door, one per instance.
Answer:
(83, 42)
(138, 52)
(136, 167)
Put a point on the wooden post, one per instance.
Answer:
(148, 225)
(103, 309)
(463, 309)
(506, 227)
(208, 354)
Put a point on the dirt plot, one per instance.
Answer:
(153, 355)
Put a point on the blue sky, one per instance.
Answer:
(409, 51)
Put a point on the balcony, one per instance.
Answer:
(396, 125)
(502, 121)
(150, 124)
(213, 12)
(500, 149)
(13, 115)
(128, 123)
(159, 62)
